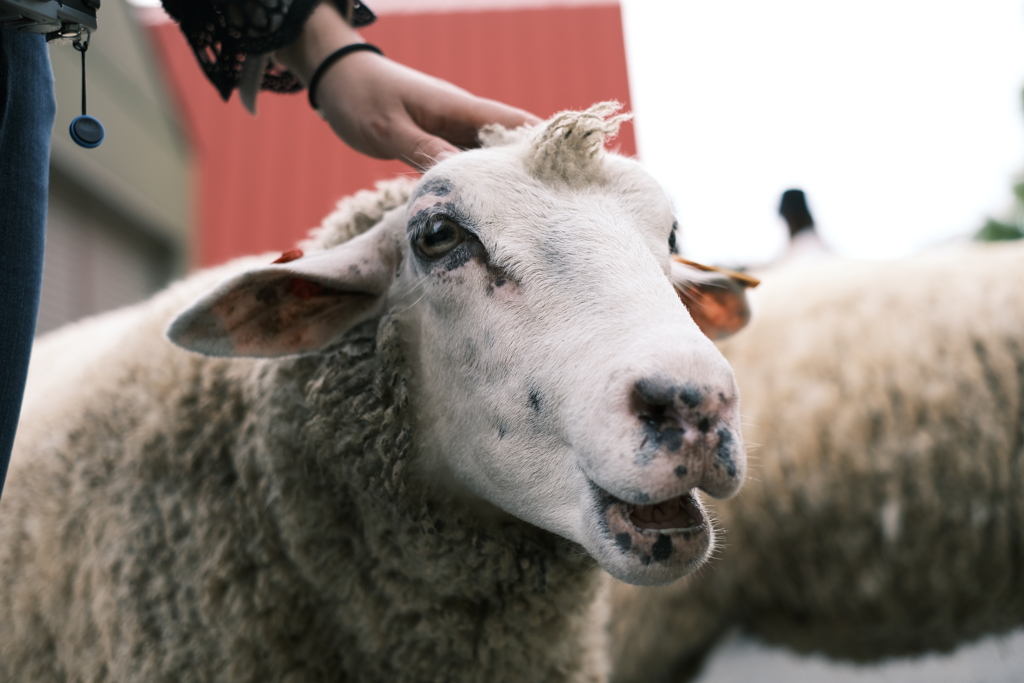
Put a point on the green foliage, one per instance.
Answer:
(1018, 190)
(995, 231)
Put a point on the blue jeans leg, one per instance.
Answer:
(27, 111)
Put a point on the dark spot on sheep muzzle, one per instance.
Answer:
(672, 438)
(654, 404)
(662, 548)
(725, 451)
(691, 396)
(644, 456)
(536, 400)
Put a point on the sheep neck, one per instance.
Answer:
(416, 583)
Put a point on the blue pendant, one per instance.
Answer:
(87, 131)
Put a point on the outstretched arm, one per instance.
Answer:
(384, 109)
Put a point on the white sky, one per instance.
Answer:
(901, 120)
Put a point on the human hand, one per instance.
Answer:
(387, 110)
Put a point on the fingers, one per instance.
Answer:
(480, 112)
(389, 111)
(419, 149)
(458, 126)
(457, 116)
(484, 111)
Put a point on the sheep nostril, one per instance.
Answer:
(654, 415)
(652, 402)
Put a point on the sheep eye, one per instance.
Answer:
(672, 240)
(441, 236)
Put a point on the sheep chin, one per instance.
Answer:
(651, 544)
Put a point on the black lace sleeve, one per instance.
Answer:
(223, 32)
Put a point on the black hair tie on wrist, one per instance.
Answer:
(330, 60)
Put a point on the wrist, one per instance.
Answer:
(329, 61)
(323, 33)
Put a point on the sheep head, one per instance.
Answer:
(553, 372)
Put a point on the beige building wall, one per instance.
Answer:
(118, 218)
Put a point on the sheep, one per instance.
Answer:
(402, 453)
(804, 245)
(884, 515)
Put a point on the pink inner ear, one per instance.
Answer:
(717, 312)
(288, 256)
(305, 289)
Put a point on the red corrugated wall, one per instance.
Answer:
(261, 183)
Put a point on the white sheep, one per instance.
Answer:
(884, 515)
(456, 405)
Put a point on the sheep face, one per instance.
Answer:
(557, 375)
(553, 372)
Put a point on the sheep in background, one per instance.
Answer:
(884, 514)
(804, 245)
(454, 408)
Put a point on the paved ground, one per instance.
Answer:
(990, 660)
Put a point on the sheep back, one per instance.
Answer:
(884, 512)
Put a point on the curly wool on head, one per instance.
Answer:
(568, 148)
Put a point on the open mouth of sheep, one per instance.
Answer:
(673, 531)
(682, 514)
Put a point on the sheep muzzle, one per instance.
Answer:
(668, 538)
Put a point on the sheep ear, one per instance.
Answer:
(715, 297)
(291, 306)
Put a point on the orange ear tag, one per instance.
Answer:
(742, 278)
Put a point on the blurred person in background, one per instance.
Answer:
(805, 244)
(376, 106)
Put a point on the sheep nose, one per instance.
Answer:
(670, 406)
(688, 430)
